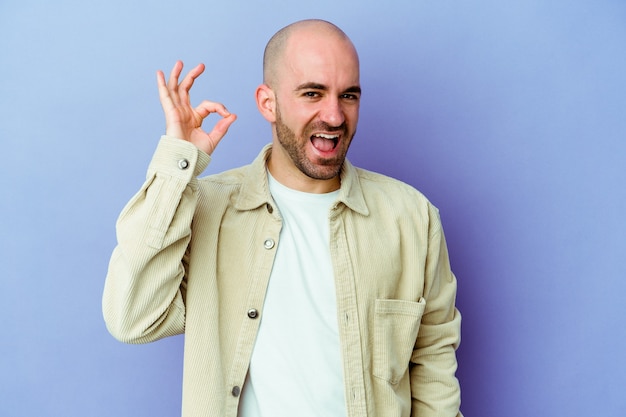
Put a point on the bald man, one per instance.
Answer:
(304, 286)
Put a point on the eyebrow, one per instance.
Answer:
(316, 86)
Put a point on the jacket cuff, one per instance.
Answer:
(178, 158)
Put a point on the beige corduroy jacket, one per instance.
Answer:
(194, 256)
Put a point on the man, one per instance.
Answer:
(304, 286)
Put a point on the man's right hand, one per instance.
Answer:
(181, 119)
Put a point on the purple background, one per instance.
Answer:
(509, 116)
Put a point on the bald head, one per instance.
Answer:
(274, 55)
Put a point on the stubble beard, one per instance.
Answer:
(322, 169)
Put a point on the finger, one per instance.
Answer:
(221, 127)
(160, 78)
(191, 77)
(187, 83)
(164, 94)
(207, 107)
(172, 84)
(174, 75)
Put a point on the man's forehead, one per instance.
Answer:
(318, 73)
(316, 36)
(311, 52)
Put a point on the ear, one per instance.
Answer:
(266, 102)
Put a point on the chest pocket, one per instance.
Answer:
(396, 324)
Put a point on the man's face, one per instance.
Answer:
(317, 106)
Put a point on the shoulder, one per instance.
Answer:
(395, 200)
(251, 176)
(373, 183)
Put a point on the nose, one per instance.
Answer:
(332, 112)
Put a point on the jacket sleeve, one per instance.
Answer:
(434, 387)
(144, 292)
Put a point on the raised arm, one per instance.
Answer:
(145, 289)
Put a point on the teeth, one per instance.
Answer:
(321, 135)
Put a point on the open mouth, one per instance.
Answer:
(324, 142)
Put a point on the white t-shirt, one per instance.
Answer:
(296, 367)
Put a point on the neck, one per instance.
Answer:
(286, 173)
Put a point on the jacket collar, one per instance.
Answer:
(255, 189)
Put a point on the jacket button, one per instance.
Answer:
(268, 244)
(236, 390)
(183, 164)
(269, 207)
(253, 313)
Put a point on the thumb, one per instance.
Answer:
(222, 126)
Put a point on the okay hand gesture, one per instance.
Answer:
(184, 121)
